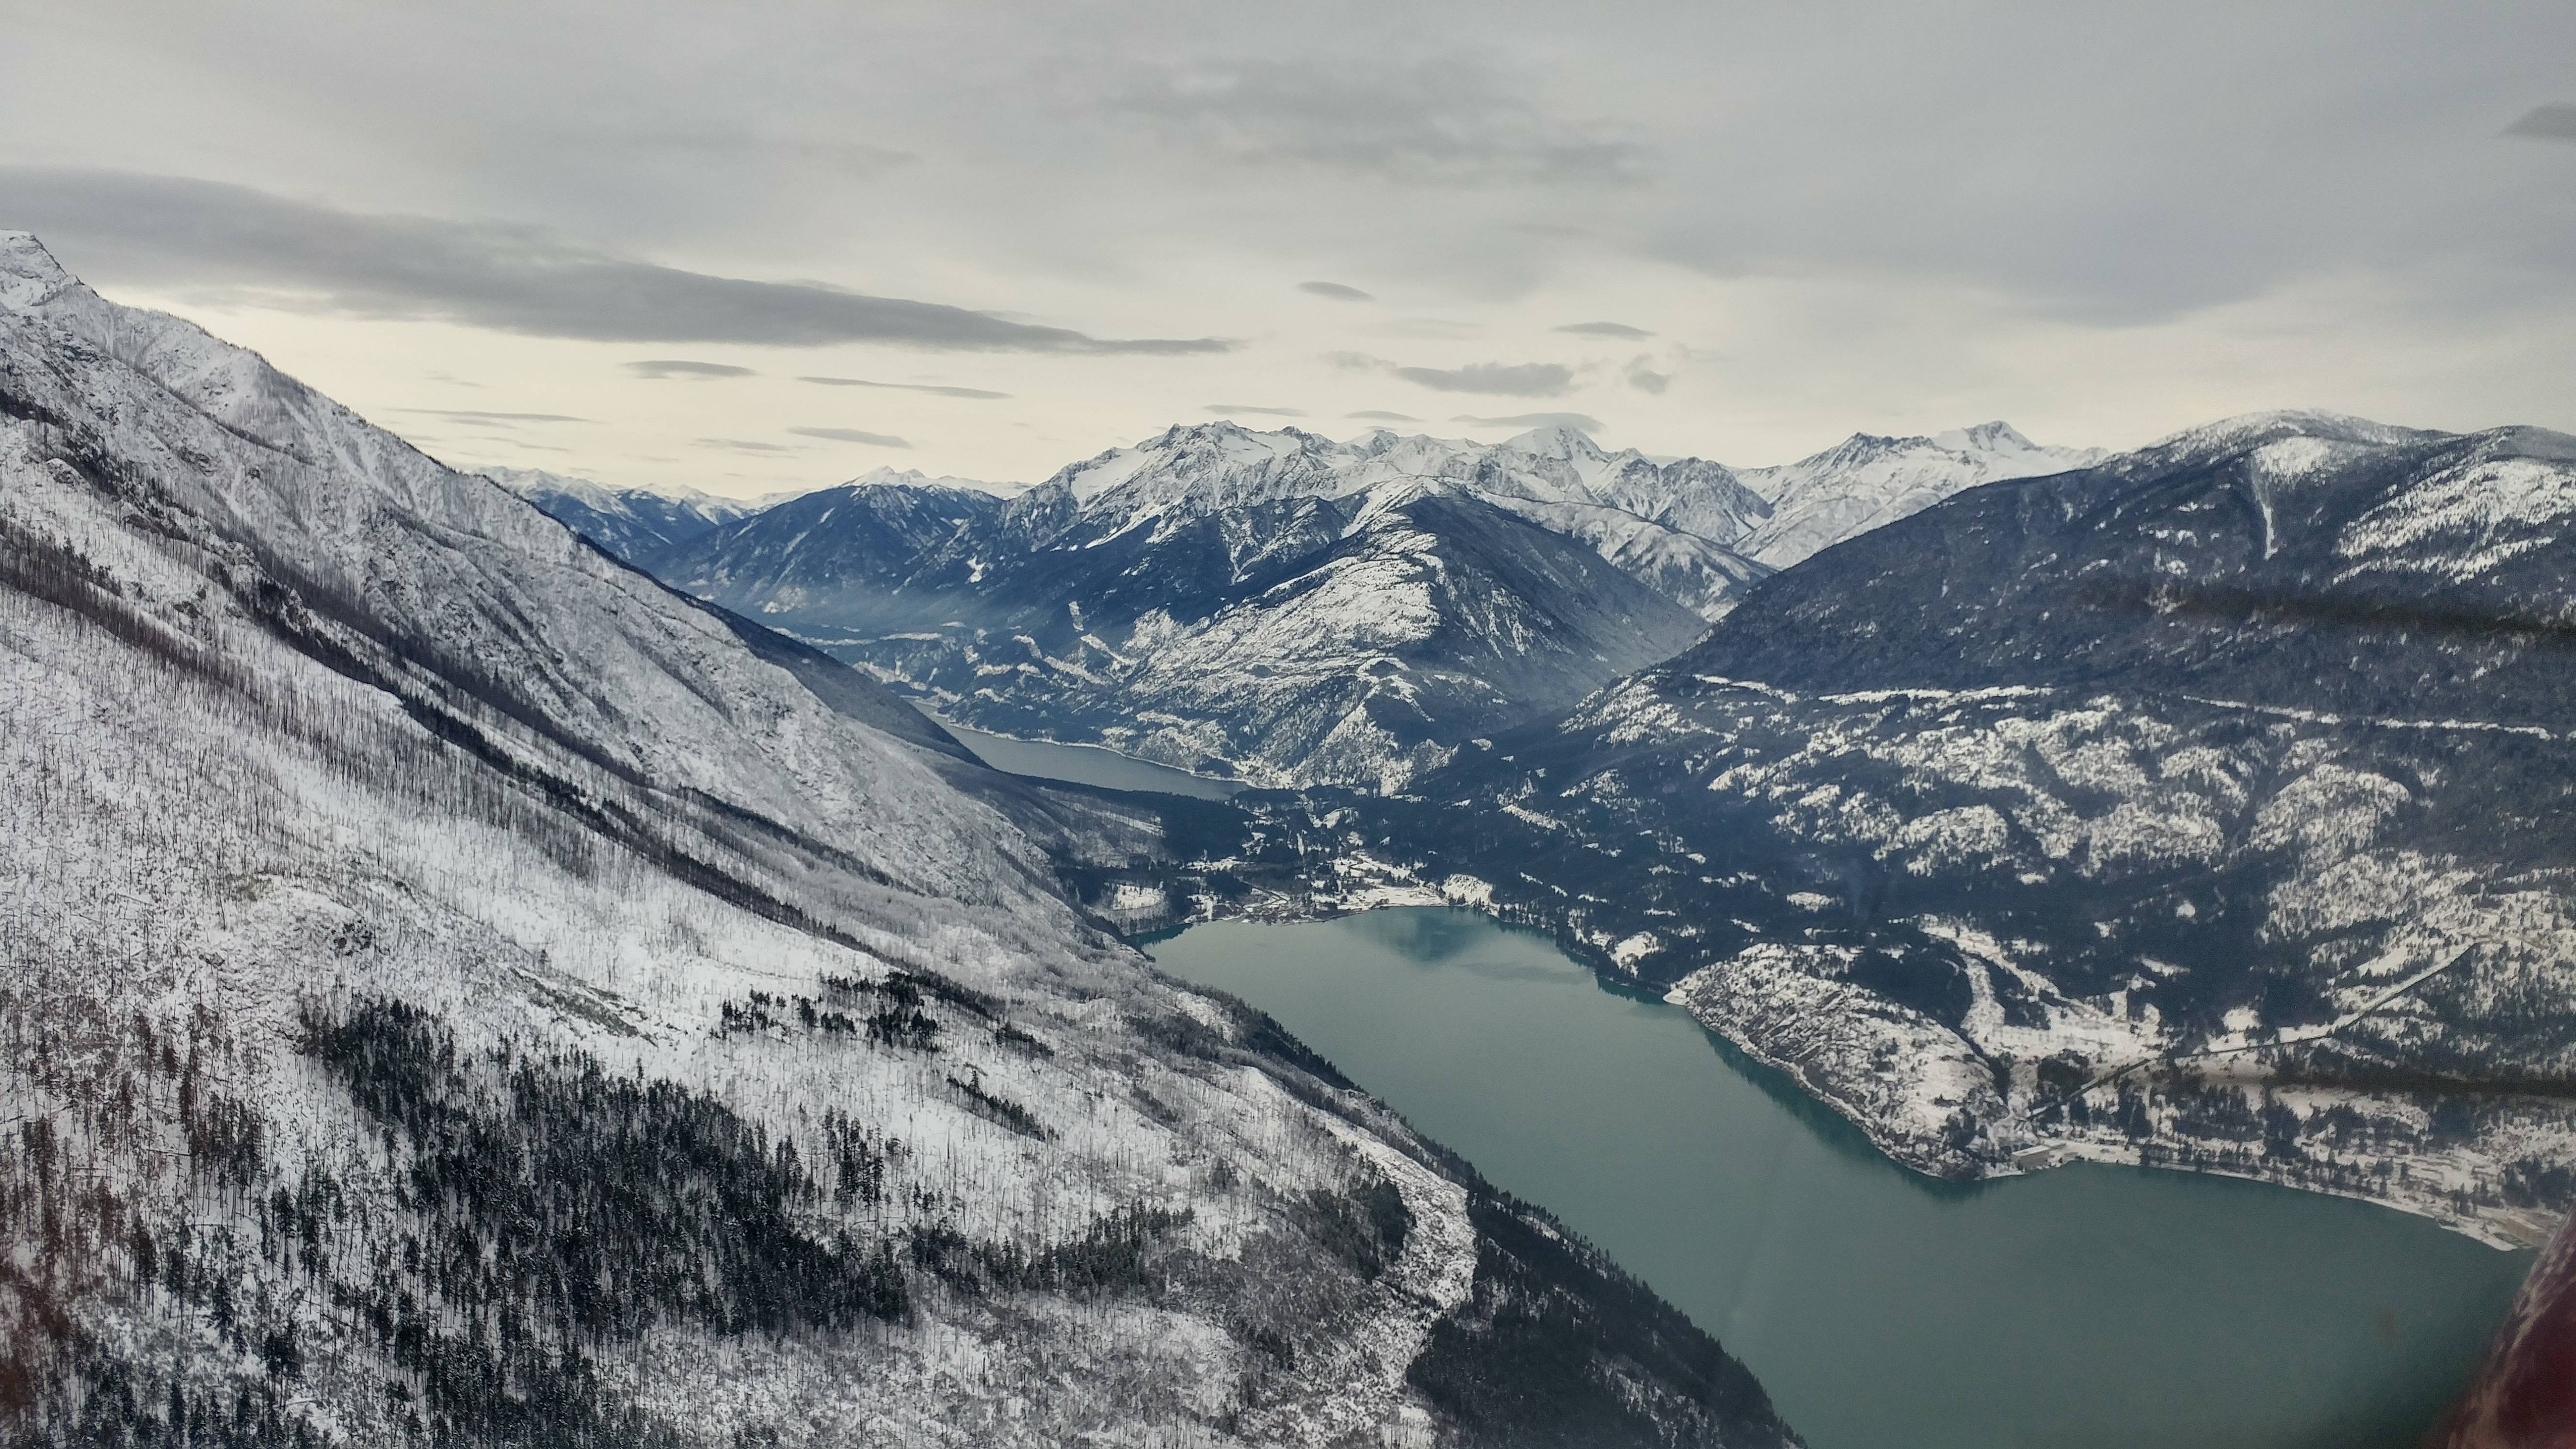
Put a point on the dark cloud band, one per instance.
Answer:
(2549, 123)
(1503, 379)
(188, 233)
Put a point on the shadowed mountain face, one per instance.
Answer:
(462, 991)
(2308, 562)
(2240, 763)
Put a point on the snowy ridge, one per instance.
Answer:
(1867, 482)
(632, 523)
(385, 869)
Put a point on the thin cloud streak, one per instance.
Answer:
(1336, 291)
(980, 394)
(852, 435)
(663, 368)
(203, 234)
(1620, 330)
(1582, 422)
(477, 415)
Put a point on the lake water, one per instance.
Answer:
(1085, 765)
(2091, 1306)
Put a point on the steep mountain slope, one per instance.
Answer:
(461, 991)
(837, 557)
(1866, 482)
(1274, 606)
(2206, 807)
(632, 523)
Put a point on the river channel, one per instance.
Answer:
(2087, 1305)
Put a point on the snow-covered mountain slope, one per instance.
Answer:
(2209, 807)
(633, 523)
(838, 556)
(1199, 598)
(886, 475)
(1868, 482)
(461, 991)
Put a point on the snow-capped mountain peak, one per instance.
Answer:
(29, 275)
(2251, 430)
(888, 476)
(1565, 444)
(1868, 480)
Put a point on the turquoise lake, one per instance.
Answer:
(2091, 1306)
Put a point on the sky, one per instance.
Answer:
(747, 248)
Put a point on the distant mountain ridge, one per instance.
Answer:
(632, 523)
(1169, 599)
(2208, 806)
(1867, 482)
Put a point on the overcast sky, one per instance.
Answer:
(748, 247)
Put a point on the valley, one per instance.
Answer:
(461, 990)
(2228, 836)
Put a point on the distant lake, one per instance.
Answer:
(2085, 1307)
(1085, 765)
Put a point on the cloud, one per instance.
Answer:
(852, 158)
(1336, 291)
(743, 445)
(1223, 408)
(475, 415)
(204, 234)
(2548, 123)
(1372, 415)
(1581, 422)
(852, 435)
(1518, 379)
(1607, 329)
(670, 367)
(972, 392)
(1450, 119)
(1443, 327)
(1646, 379)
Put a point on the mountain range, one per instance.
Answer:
(1287, 610)
(462, 990)
(2205, 807)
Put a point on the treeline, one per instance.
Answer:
(1556, 1347)
(612, 1202)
